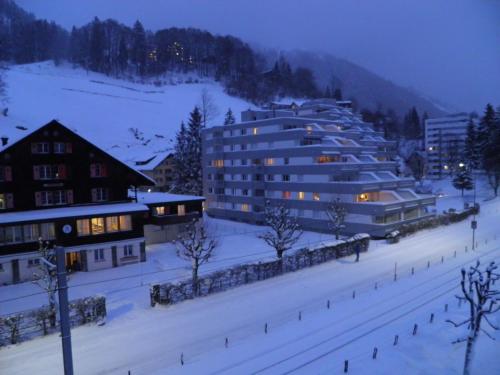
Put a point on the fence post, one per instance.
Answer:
(226, 343)
(396, 339)
(413, 271)
(455, 254)
(428, 264)
(346, 366)
(265, 328)
(376, 285)
(328, 304)
(375, 351)
(446, 308)
(182, 359)
(300, 315)
(353, 294)
(415, 327)
(442, 258)
(432, 318)
(395, 271)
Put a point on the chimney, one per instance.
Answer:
(5, 140)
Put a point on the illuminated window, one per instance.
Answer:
(316, 196)
(218, 163)
(300, 195)
(255, 131)
(83, 227)
(245, 207)
(125, 223)
(286, 195)
(3, 202)
(112, 224)
(362, 197)
(97, 224)
(269, 161)
(181, 210)
(160, 211)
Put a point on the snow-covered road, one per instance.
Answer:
(149, 341)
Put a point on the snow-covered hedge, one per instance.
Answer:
(434, 222)
(172, 293)
(15, 328)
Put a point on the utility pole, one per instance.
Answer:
(62, 287)
(473, 224)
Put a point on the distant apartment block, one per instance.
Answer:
(444, 143)
(306, 158)
(160, 168)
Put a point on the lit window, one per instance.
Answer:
(3, 202)
(219, 163)
(245, 207)
(255, 131)
(286, 195)
(300, 195)
(112, 224)
(97, 224)
(315, 196)
(181, 210)
(269, 161)
(363, 197)
(125, 223)
(83, 227)
(160, 211)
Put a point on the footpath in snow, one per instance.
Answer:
(150, 340)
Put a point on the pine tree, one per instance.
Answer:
(96, 45)
(491, 152)
(180, 159)
(337, 94)
(462, 180)
(412, 128)
(328, 92)
(485, 128)
(471, 147)
(229, 119)
(122, 55)
(139, 51)
(193, 165)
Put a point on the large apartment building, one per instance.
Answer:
(306, 158)
(61, 188)
(444, 143)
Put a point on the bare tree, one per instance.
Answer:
(208, 108)
(483, 300)
(46, 277)
(336, 215)
(197, 246)
(284, 230)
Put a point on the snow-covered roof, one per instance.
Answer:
(157, 197)
(73, 211)
(151, 161)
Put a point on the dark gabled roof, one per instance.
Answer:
(16, 133)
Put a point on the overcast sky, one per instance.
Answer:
(447, 49)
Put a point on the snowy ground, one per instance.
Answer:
(84, 101)
(147, 340)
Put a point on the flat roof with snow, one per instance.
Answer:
(158, 198)
(74, 211)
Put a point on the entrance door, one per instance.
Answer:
(73, 261)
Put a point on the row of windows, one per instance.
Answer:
(101, 225)
(57, 148)
(26, 233)
(166, 210)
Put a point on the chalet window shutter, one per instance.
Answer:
(10, 200)
(61, 170)
(8, 173)
(92, 170)
(94, 195)
(69, 148)
(38, 198)
(69, 196)
(36, 172)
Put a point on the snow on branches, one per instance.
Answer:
(478, 290)
(284, 231)
(196, 245)
(336, 215)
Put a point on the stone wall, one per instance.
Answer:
(172, 293)
(15, 328)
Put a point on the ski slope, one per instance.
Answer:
(150, 340)
(103, 109)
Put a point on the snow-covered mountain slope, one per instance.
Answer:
(104, 110)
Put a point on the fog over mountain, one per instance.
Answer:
(445, 49)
